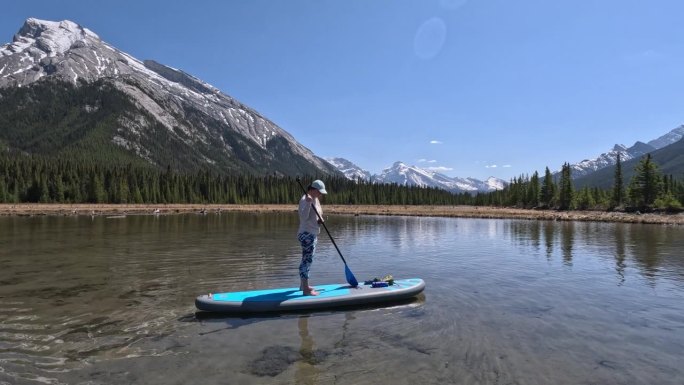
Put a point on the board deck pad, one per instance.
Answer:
(290, 299)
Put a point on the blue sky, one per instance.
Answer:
(474, 88)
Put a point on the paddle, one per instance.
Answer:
(348, 274)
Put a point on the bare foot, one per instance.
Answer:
(310, 292)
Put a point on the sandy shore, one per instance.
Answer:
(434, 211)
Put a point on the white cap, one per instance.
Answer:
(318, 185)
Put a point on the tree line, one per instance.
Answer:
(40, 179)
(64, 180)
(648, 189)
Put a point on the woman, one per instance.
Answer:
(310, 218)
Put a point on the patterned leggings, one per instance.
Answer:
(308, 242)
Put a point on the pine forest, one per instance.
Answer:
(41, 179)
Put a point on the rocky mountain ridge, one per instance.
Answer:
(195, 114)
(639, 149)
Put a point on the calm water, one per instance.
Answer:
(110, 301)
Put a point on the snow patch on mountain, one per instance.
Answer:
(495, 183)
(192, 110)
(349, 169)
(405, 175)
(639, 149)
(671, 137)
(50, 37)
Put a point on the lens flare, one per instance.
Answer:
(430, 38)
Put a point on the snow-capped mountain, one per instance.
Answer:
(402, 174)
(493, 183)
(638, 150)
(673, 136)
(606, 159)
(195, 115)
(349, 169)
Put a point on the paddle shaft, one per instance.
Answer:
(313, 206)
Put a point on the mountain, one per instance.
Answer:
(87, 97)
(493, 184)
(590, 172)
(639, 149)
(402, 174)
(349, 169)
(607, 159)
(670, 161)
(669, 138)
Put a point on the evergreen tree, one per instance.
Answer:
(646, 184)
(96, 189)
(618, 184)
(533, 191)
(44, 189)
(122, 190)
(601, 198)
(565, 195)
(548, 189)
(56, 188)
(585, 199)
(3, 191)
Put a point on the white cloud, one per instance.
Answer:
(435, 142)
(440, 168)
(507, 166)
(423, 160)
(490, 166)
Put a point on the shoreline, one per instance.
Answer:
(48, 209)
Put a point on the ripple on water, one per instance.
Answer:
(505, 302)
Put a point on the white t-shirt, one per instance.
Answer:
(308, 221)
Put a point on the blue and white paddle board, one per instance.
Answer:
(292, 299)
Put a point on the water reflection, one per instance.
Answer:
(567, 241)
(620, 253)
(84, 298)
(646, 244)
(306, 372)
(652, 249)
(549, 242)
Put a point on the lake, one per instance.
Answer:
(98, 300)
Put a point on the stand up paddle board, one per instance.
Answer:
(292, 299)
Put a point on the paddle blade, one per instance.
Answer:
(350, 277)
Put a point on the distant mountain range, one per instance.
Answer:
(405, 175)
(670, 161)
(639, 149)
(585, 172)
(65, 91)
